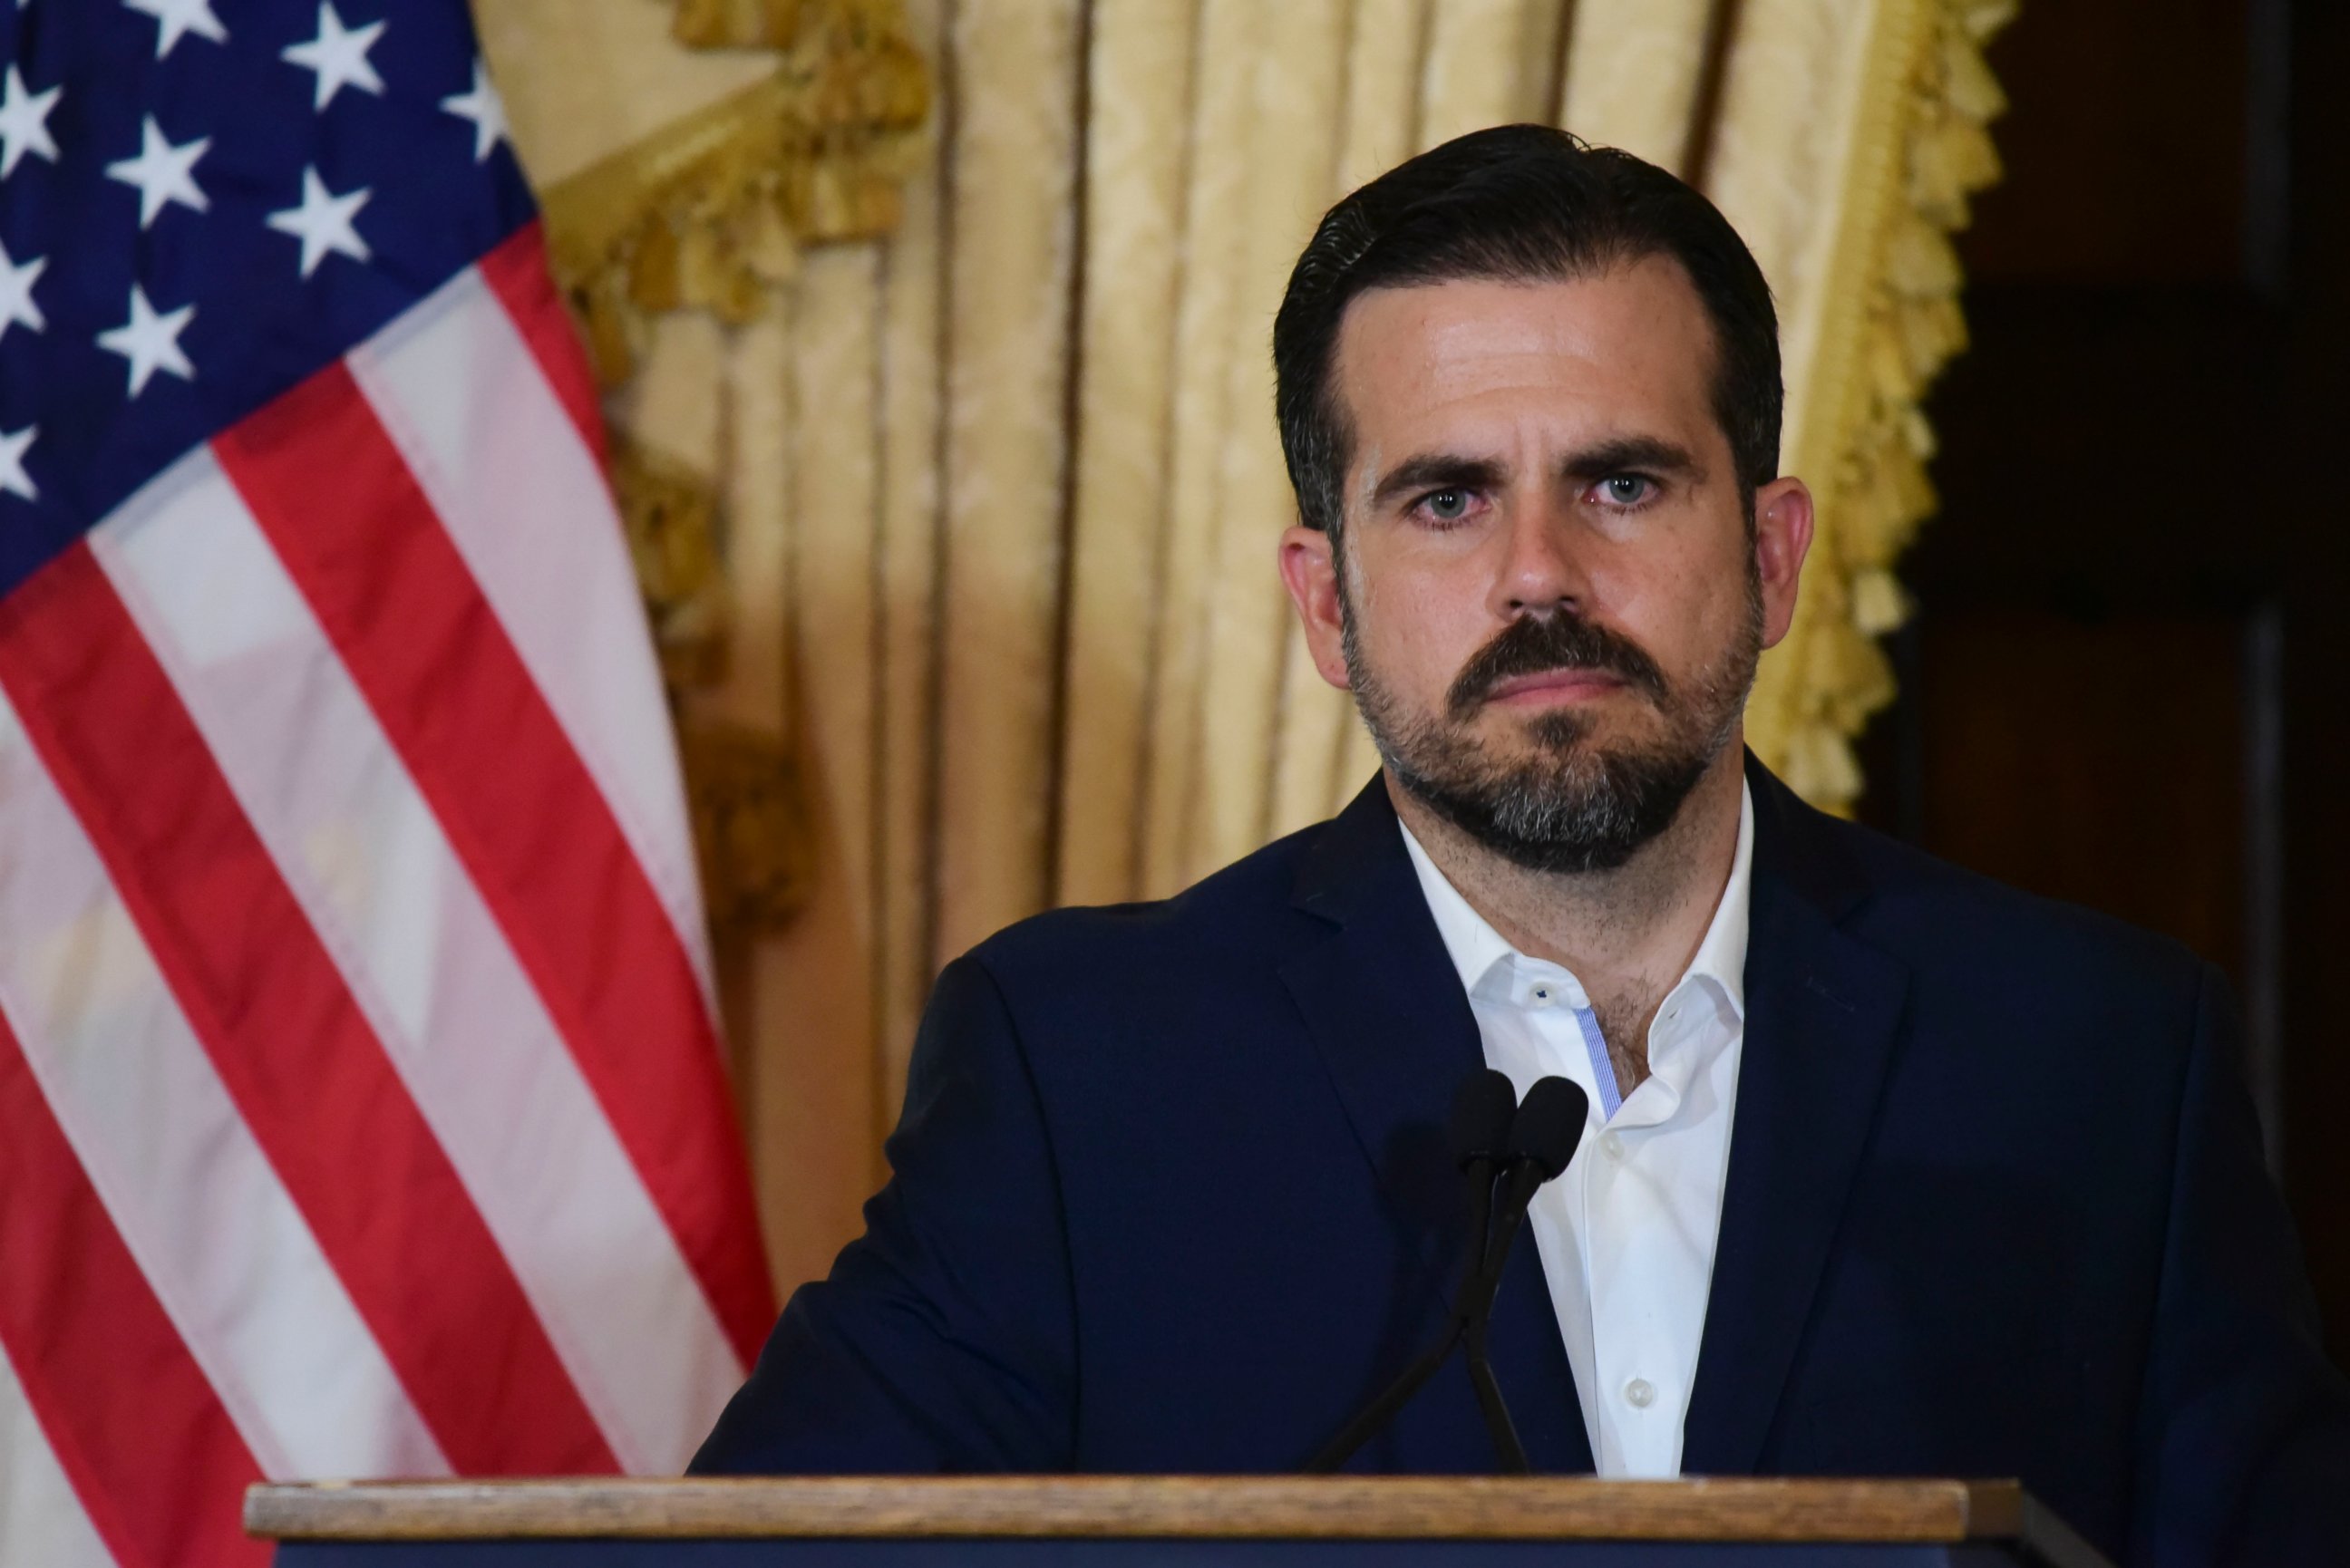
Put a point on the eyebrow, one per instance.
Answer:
(1437, 471)
(1647, 454)
(1455, 470)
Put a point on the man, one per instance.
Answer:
(1890, 1170)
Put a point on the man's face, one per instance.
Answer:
(1551, 605)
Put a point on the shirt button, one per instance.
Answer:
(1611, 1150)
(1541, 994)
(1640, 1394)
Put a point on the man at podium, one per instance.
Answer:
(1886, 1170)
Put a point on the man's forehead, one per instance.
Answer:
(1635, 333)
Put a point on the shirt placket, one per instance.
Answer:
(1628, 1230)
(1530, 1027)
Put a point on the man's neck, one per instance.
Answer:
(1626, 934)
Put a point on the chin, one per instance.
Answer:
(1573, 731)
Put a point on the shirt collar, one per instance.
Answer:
(1721, 957)
(1476, 947)
(1473, 945)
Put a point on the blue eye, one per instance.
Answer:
(1447, 505)
(1625, 489)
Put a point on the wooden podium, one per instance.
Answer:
(1163, 1521)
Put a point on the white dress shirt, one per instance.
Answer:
(1627, 1234)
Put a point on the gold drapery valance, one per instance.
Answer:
(1869, 284)
(710, 210)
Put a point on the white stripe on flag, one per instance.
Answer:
(425, 960)
(462, 396)
(42, 1524)
(197, 1204)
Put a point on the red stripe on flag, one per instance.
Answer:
(522, 811)
(306, 1070)
(517, 274)
(139, 1434)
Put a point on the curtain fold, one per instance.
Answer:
(1138, 158)
(1634, 68)
(1012, 174)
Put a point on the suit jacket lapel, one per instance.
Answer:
(1823, 1013)
(1387, 1013)
(1386, 1010)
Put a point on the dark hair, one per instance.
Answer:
(1516, 202)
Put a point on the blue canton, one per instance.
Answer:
(203, 203)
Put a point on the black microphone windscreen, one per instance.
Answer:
(1549, 1125)
(1481, 1113)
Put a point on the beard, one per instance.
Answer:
(1571, 804)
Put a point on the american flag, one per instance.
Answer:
(361, 1107)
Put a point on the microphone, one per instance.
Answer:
(1490, 1134)
(1542, 1138)
(1479, 1133)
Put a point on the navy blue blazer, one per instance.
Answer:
(1171, 1194)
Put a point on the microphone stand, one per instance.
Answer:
(1489, 1249)
(1543, 1136)
(1524, 1177)
(1380, 1411)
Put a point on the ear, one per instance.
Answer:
(1783, 537)
(1309, 570)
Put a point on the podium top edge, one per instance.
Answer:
(1153, 1507)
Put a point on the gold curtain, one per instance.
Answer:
(1001, 490)
(685, 153)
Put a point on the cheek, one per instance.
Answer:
(1419, 630)
(1697, 622)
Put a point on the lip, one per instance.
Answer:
(1554, 686)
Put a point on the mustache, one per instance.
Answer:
(1535, 645)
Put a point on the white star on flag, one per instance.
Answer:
(13, 478)
(175, 19)
(163, 173)
(24, 122)
(150, 342)
(17, 306)
(338, 56)
(323, 222)
(483, 108)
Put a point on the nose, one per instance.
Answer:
(1540, 571)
